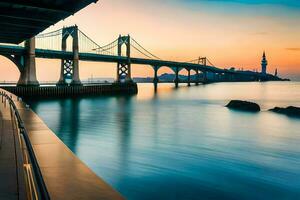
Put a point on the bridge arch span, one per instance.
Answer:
(10, 67)
(164, 71)
(17, 60)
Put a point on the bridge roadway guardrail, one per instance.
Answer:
(35, 185)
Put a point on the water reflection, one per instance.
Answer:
(183, 144)
(123, 120)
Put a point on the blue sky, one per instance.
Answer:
(289, 3)
(228, 32)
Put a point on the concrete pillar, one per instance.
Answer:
(176, 77)
(119, 54)
(215, 77)
(197, 77)
(75, 78)
(205, 77)
(28, 73)
(155, 79)
(128, 78)
(189, 77)
(61, 80)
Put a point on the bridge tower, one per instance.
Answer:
(124, 67)
(70, 68)
(203, 61)
(26, 65)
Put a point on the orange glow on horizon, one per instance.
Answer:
(180, 33)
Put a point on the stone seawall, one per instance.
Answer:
(71, 91)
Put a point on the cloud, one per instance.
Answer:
(293, 49)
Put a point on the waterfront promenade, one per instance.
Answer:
(13, 186)
(64, 175)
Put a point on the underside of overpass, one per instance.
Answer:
(23, 19)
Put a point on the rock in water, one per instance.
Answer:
(243, 105)
(290, 111)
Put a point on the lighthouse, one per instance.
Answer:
(264, 64)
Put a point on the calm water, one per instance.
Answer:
(184, 144)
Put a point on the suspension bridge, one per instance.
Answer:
(124, 51)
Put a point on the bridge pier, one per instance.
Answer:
(63, 68)
(176, 77)
(28, 71)
(197, 77)
(75, 78)
(205, 80)
(155, 79)
(189, 77)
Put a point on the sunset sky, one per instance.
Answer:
(228, 32)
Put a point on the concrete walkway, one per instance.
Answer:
(65, 175)
(10, 185)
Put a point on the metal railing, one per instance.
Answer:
(35, 185)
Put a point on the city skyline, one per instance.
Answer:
(184, 30)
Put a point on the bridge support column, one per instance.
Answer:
(215, 77)
(63, 69)
(176, 77)
(205, 77)
(189, 77)
(28, 72)
(155, 79)
(197, 77)
(231, 77)
(75, 78)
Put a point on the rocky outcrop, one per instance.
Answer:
(290, 111)
(243, 105)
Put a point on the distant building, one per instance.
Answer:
(276, 72)
(264, 64)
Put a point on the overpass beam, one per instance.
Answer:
(28, 72)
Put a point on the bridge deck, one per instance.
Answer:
(65, 175)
